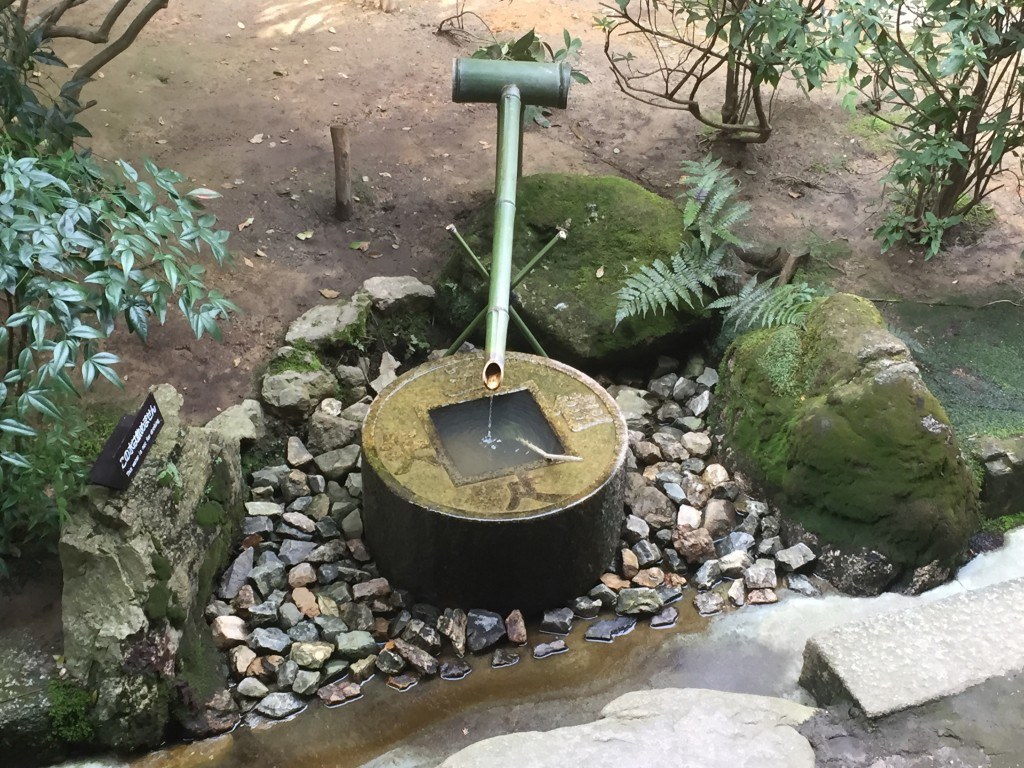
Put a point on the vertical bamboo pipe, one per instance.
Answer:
(342, 173)
(509, 121)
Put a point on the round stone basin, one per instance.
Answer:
(463, 519)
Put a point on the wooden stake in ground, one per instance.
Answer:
(342, 177)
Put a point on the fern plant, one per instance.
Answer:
(765, 305)
(683, 280)
(710, 215)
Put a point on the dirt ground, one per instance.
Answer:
(204, 80)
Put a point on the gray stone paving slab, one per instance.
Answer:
(683, 728)
(899, 660)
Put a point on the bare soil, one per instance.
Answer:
(197, 87)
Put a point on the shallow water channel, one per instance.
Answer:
(756, 649)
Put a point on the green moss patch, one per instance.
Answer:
(300, 357)
(971, 359)
(569, 299)
(70, 704)
(857, 449)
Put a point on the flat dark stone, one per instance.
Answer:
(557, 622)
(607, 630)
(404, 681)
(669, 594)
(665, 618)
(456, 669)
(544, 650)
(504, 658)
(483, 629)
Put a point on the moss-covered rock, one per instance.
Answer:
(616, 227)
(835, 421)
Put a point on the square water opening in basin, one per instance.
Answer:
(490, 436)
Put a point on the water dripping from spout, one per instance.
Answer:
(488, 439)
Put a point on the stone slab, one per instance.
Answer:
(899, 660)
(684, 728)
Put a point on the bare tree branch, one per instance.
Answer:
(98, 36)
(116, 48)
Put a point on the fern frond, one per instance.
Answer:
(763, 305)
(711, 210)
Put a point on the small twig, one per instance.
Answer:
(548, 456)
(808, 183)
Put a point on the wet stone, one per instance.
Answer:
(264, 614)
(630, 565)
(294, 485)
(261, 493)
(638, 601)
(769, 547)
(762, 597)
(327, 529)
(709, 574)
(257, 526)
(263, 509)
(606, 630)
(418, 659)
(319, 507)
(236, 575)
(287, 673)
(694, 545)
(241, 657)
(270, 640)
(339, 693)
(305, 601)
(399, 622)
(359, 551)
(604, 595)
(328, 573)
(301, 575)
(299, 506)
(802, 585)
(698, 405)
(761, 575)
(734, 542)
(635, 529)
(389, 661)
(720, 518)
(311, 655)
(403, 682)
(252, 688)
(735, 563)
(770, 526)
(269, 576)
(729, 491)
(669, 593)
(504, 658)
(515, 627)
(662, 386)
(654, 507)
(666, 617)
(585, 607)
(696, 444)
(296, 453)
(299, 521)
(673, 563)
(683, 390)
(244, 600)
(353, 646)
(647, 553)
(422, 636)
(650, 578)
(374, 588)
(289, 615)
(287, 532)
(452, 624)
(483, 629)
(330, 627)
(456, 669)
(306, 682)
(363, 669)
(339, 592)
(334, 669)
(692, 464)
(352, 525)
(670, 412)
(557, 621)
(280, 705)
(737, 593)
(357, 615)
(293, 552)
(708, 603)
(426, 613)
(330, 552)
(317, 484)
(304, 632)
(544, 650)
(794, 558)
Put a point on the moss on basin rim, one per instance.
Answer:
(569, 299)
(530, 537)
(847, 435)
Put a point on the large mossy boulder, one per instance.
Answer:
(568, 301)
(139, 567)
(835, 421)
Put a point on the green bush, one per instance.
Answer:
(80, 247)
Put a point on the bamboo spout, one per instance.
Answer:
(510, 109)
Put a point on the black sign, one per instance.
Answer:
(123, 453)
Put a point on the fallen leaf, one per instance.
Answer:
(750, 172)
(334, 49)
(304, 235)
(332, 30)
(600, 273)
(248, 261)
(227, 185)
(161, 141)
(359, 245)
(236, 362)
(375, 255)
(244, 224)
(241, 25)
(260, 253)
(485, 145)
(795, 195)
(257, 139)
(160, 120)
(327, 293)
